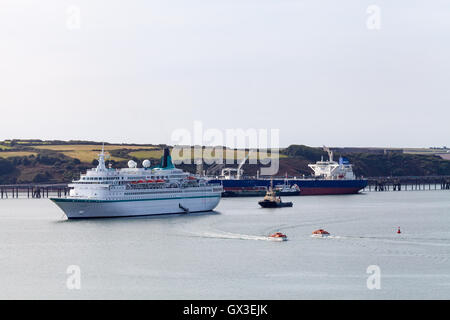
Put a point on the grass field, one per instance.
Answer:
(425, 151)
(88, 147)
(9, 154)
(87, 156)
(151, 154)
(87, 153)
(207, 154)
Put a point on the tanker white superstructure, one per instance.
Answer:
(332, 170)
(132, 191)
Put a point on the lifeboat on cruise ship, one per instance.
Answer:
(320, 233)
(278, 236)
(141, 181)
(191, 178)
(160, 180)
(150, 181)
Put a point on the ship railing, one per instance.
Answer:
(292, 178)
(213, 184)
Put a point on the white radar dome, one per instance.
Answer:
(146, 163)
(132, 164)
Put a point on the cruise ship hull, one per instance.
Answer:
(236, 188)
(88, 208)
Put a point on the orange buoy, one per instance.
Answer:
(398, 231)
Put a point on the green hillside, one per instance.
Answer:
(24, 161)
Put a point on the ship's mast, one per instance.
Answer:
(330, 153)
(239, 170)
(101, 159)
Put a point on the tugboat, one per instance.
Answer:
(320, 233)
(272, 201)
(278, 236)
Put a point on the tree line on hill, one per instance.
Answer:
(53, 167)
(370, 164)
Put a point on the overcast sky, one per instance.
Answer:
(135, 71)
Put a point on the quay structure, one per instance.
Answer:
(408, 183)
(375, 184)
(16, 191)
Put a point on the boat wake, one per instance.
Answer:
(236, 236)
(326, 237)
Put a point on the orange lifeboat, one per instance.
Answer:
(278, 236)
(320, 233)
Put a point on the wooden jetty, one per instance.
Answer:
(33, 191)
(408, 183)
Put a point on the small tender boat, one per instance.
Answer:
(320, 233)
(286, 189)
(245, 192)
(278, 236)
(272, 201)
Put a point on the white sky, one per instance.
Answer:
(136, 71)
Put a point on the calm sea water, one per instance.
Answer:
(222, 255)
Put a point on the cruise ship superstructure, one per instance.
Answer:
(133, 191)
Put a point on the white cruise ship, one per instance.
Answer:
(133, 191)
